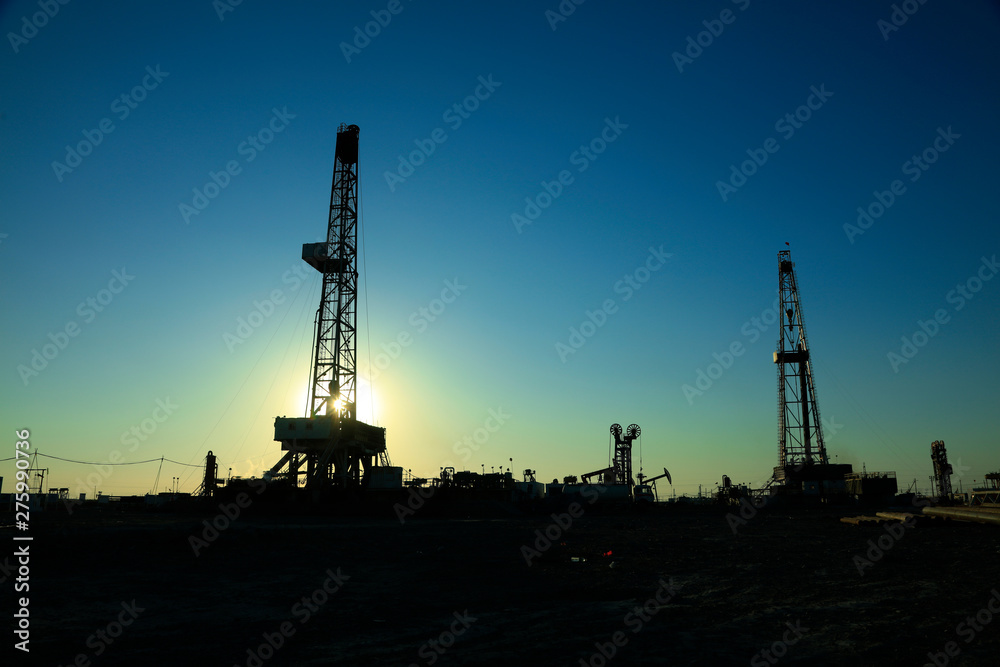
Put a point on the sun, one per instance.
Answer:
(368, 402)
(367, 405)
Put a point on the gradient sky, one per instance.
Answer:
(221, 77)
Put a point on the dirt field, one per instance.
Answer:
(678, 588)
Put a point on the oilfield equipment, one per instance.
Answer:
(645, 490)
(616, 479)
(800, 430)
(329, 446)
(942, 470)
(620, 470)
(988, 495)
(210, 481)
(727, 493)
(803, 466)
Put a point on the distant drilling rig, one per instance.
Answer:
(800, 431)
(333, 447)
(803, 467)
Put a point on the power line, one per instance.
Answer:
(108, 463)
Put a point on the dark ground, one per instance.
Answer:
(403, 585)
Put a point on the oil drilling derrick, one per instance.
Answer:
(942, 469)
(800, 431)
(334, 446)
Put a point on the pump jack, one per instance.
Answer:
(645, 490)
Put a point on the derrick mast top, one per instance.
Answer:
(333, 389)
(800, 432)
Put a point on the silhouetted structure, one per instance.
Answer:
(942, 470)
(989, 494)
(800, 431)
(334, 446)
(872, 487)
(623, 453)
(645, 490)
(620, 470)
(803, 466)
(210, 481)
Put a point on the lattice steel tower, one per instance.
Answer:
(334, 374)
(800, 431)
(622, 457)
(334, 445)
(942, 469)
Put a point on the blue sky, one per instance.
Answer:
(201, 87)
